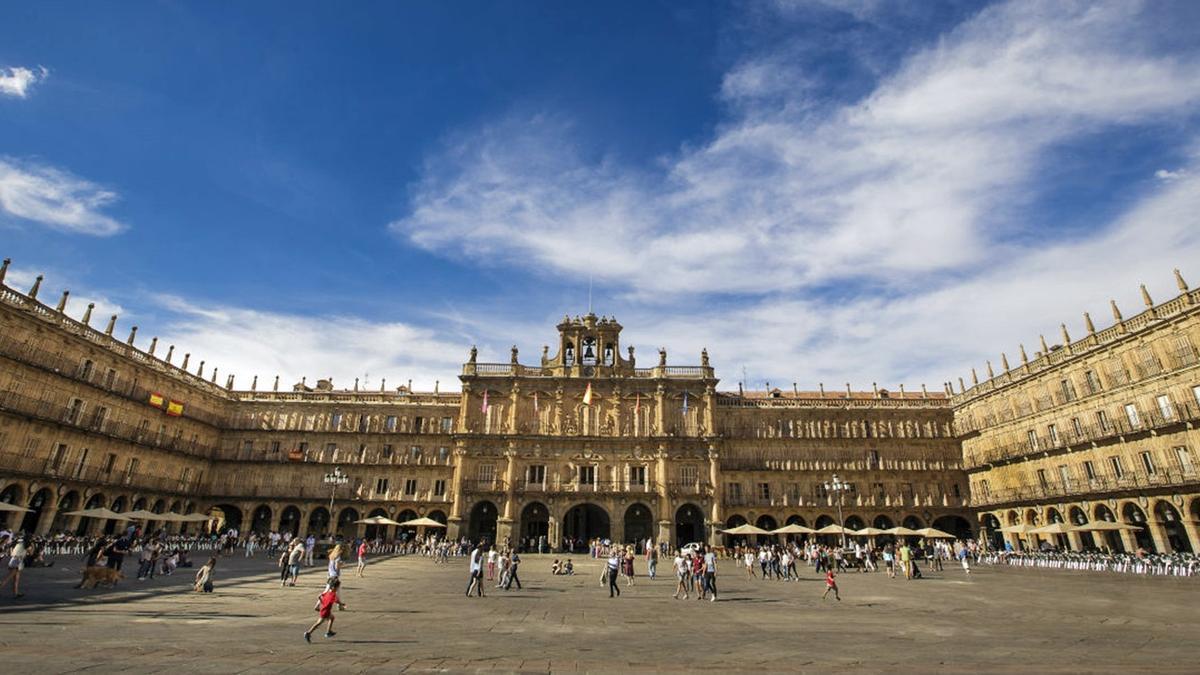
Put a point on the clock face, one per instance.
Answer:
(587, 348)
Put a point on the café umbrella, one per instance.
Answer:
(421, 522)
(793, 529)
(5, 506)
(834, 529)
(934, 533)
(902, 532)
(143, 514)
(745, 529)
(1053, 528)
(377, 520)
(1104, 526)
(99, 512)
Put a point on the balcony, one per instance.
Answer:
(484, 486)
(1130, 482)
(610, 487)
(40, 467)
(53, 413)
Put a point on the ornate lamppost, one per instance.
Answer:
(333, 479)
(839, 487)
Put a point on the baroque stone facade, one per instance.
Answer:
(585, 443)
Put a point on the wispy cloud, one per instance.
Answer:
(17, 81)
(55, 198)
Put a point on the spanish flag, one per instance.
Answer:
(157, 400)
(175, 408)
(587, 395)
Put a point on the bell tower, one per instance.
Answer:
(588, 346)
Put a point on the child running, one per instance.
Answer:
(831, 585)
(324, 609)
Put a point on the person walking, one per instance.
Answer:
(831, 585)
(16, 563)
(362, 557)
(614, 567)
(682, 573)
(310, 547)
(204, 577)
(514, 560)
(324, 609)
(476, 579)
(964, 557)
(710, 573)
(335, 562)
(651, 560)
(906, 560)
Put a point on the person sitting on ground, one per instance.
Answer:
(556, 568)
(568, 567)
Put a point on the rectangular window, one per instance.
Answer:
(1102, 420)
(1041, 476)
(331, 449)
(907, 490)
(689, 474)
(764, 491)
(247, 446)
(109, 463)
(389, 423)
(410, 487)
(1184, 458)
(381, 486)
(98, 416)
(439, 488)
(418, 425)
(536, 474)
(185, 475)
(57, 457)
(486, 473)
(110, 379)
(1064, 475)
(1117, 469)
(447, 425)
(1185, 354)
(414, 453)
(587, 475)
(303, 447)
(364, 423)
(984, 487)
(872, 459)
(131, 467)
(877, 490)
(1132, 413)
(1147, 463)
(1091, 381)
(1033, 440)
(1196, 393)
(387, 450)
(443, 453)
(85, 369)
(335, 421)
(1164, 407)
(74, 411)
(1077, 427)
(734, 490)
(1089, 469)
(1053, 433)
(275, 447)
(637, 475)
(1068, 390)
(79, 466)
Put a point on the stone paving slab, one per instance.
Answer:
(409, 615)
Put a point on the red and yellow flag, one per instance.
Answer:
(174, 408)
(157, 400)
(587, 395)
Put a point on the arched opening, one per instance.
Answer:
(318, 521)
(289, 520)
(118, 506)
(227, 517)
(347, 529)
(68, 502)
(1054, 517)
(1013, 518)
(882, 522)
(912, 523)
(768, 523)
(85, 524)
(261, 522)
(689, 525)
(1076, 517)
(377, 531)
(639, 525)
(956, 525)
(1172, 524)
(582, 523)
(992, 533)
(535, 526)
(11, 495)
(824, 520)
(1135, 516)
(1108, 538)
(482, 523)
(407, 531)
(39, 502)
(796, 519)
(736, 520)
(854, 523)
(437, 515)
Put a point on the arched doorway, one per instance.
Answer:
(347, 529)
(261, 523)
(854, 523)
(1135, 516)
(318, 521)
(228, 517)
(38, 503)
(68, 502)
(689, 525)
(639, 525)
(1108, 538)
(85, 524)
(582, 523)
(408, 531)
(535, 525)
(289, 520)
(1172, 524)
(1077, 518)
(796, 519)
(377, 531)
(956, 525)
(992, 533)
(482, 523)
(765, 522)
(160, 506)
(118, 506)
(439, 516)
(736, 520)
(11, 495)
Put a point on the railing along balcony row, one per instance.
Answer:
(819, 501)
(239, 489)
(518, 370)
(41, 467)
(1132, 481)
(54, 413)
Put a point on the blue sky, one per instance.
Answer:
(827, 191)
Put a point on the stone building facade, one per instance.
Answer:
(586, 443)
(1101, 427)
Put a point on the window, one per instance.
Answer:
(1102, 420)
(1053, 433)
(389, 423)
(410, 486)
(418, 424)
(872, 459)
(362, 453)
(381, 486)
(689, 474)
(587, 475)
(414, 453)
(877, 490)
(764, 491)
(247, 446)
(1077, 427)
(1148, 363)
(1117, 469)
(1068, 390)
(535, 474)
(820, 491)
(1041, 476)
(443, 453)
(331, 449)
(275, 447)
(1147, 462)
(1185, 459)
(303, 447)
(734, 490)
(82, 462)
(439, 487)
(387, 450)
(109, 463)
(1064, 475)
(98, 416)
(486, 473)
(1089, 469)
(110, 379)
(185, 475)
(57, 457)
(364, 423)
(1132, 413)
(984, 487)
(1185, 354)
(1196, 393)
(1033, 441)
(1091, 381)
(907, 490)
(1164, 407)
(335, 421)
(85, 369)
(447, 425)
(74, 410)
(131, 467)
(637, 475)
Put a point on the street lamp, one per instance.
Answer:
(839, 487)
(333, 479)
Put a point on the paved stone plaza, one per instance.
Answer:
(410, 614)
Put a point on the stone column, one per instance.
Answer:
(46, 519)
(1158, 534)
(302, 526)
(1128, 540)
(659, 404)
(1074, 540)
(454, 521)
(717, 518)
(1192, 528)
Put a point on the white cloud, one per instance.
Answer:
(54, 282)
(17, 81)
(1166, 175)
(920, 177)
(56, 199)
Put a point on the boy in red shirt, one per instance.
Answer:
(324, 609)
(830, 585)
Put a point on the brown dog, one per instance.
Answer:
(94, 576)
